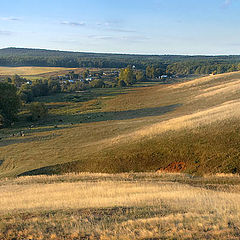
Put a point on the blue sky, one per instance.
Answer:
(123, 26)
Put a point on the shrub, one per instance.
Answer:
(9, 103)
(38, 110)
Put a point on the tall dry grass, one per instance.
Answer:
(154, 206)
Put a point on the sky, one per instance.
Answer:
(206, 27)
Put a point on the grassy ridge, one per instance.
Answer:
(212, 148)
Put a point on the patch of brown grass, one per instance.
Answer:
(123, 206)
(28, 71)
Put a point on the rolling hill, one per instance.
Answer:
(191, 127)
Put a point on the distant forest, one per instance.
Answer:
(169, 64)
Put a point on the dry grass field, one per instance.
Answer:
(29, 71)
(189, 128)
(135, 129)
(120, 206)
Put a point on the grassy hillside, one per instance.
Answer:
(193, 124)
(122, 206)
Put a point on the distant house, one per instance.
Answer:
(164, 76)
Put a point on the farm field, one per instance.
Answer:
(120, 206)
(28, 71)
(190, 127)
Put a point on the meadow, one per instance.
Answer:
(142, 128)
(154, 161)
(120, 206)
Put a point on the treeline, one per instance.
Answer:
(167, 64)
(28, 90)
(186, 68)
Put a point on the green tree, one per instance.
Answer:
(86, 74)
(149, 72)
(121, 83)
(127, 75)
(140, 76)
(9, 103)
(38, 110)
(98, 83)
(40, 88)
(54, 86)
(25, 93)
(17, 80)
(1, 121)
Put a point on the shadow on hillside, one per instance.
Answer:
(58, 122)
(114, 115)
(105, 116)
(18, 140)
(82, 96)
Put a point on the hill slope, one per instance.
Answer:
(192, 127)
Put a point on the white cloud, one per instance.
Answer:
(6, 33)
(76, 24)
(226, 3)
(97, 37)
(10, 18)
(121, 30)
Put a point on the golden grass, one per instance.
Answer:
(153, 206)
(28, 71)
(209, 80)
(202, 101)
(227, 110)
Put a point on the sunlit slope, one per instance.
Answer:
(146, 129)
(29, 71)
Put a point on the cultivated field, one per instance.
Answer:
(29, 71)
(121, 206)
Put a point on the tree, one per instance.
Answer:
(1, 121)
(9, 103)
(98, 83)
(40, 88)
(149, 72)
(38, 110)
(140, 76)
(54, 86)
(86, 74)
(122, 83)
(17, 80)
(127, 75)
(25, 93)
